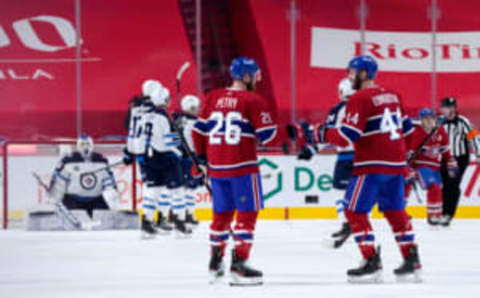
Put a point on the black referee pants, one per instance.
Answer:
(451, 186)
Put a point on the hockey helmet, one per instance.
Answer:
(158, 94)
(366, 63)
(243, 65)
(85, 145)
(345, 89)
(190, 104)
(425, 112)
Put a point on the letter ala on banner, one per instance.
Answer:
(30, 38)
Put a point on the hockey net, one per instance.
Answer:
(22, 193)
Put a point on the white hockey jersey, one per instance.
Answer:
(335, 119)
(73, 176)
(160, 136)
(136, 140)
(186, 123)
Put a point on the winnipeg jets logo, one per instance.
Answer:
(266, 117)
(88, 181)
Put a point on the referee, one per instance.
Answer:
(462, 136)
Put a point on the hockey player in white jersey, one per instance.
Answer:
(344, 163)
(190, 106)
(161, 170)
(78, 185)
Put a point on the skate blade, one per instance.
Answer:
(164, 232)
(147, 236)
(374, 278)
(415, 277)
(328, 242)
(239, 281)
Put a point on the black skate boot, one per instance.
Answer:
(242, 274)
(163, 226)
(181, 228)
(370, 271)
(190, 220)
(148, 231)
(410, 270)
(342, 235)
(446, 220)
(216, 268)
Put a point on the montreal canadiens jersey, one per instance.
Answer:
(228, 128)
(376, 125)
(76, 174)
(433, 152)
(137, 139)
(335, 119)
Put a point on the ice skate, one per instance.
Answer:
(242, 274)
(216, 268)
(163, 226)
(370, 270)
(445, 221)
(147, 229)
(191, 221)
(410, 270)
(182, 230)
(341, 236)
(434, 222)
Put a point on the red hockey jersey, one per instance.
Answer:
(433, 152)
(228, 128)
(376, 125)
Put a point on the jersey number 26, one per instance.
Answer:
(233, 131)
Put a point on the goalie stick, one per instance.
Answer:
(75, 222)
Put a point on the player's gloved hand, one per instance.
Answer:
(292, 131)
(199, 170)
(411, 176)
(307, 131)
(128, 158)
(306, 152)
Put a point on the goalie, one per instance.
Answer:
(83, 191)
(76, 184)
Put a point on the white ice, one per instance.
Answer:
(119, 264)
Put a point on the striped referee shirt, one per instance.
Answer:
(461, 134)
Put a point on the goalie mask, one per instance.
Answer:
(159, 95)
(190, 105)
(85, 146)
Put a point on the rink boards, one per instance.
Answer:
(292, 189)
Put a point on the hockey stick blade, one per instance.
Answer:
(182, 69)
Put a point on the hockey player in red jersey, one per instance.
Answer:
(376, 125)
(427, 163)
(225, 137)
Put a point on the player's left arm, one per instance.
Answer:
(262, 118)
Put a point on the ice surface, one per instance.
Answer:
(119, 264)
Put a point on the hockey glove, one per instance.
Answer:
(411, 177)
(307, 152)
(128, 158)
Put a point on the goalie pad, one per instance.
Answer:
(50, 220)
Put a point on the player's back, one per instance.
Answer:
(231, 122)
(376, 116)
(136, 141)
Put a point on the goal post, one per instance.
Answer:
(20, 191)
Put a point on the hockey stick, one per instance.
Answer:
(175, 127)
(417, 194)
(107, 167)
(426, 140)
(75, 222)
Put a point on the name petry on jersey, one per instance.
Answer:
(376, 125)
(227, 131)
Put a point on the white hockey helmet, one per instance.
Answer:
(190, 104)
(158, 94)
(85, 145)
(345, 89)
